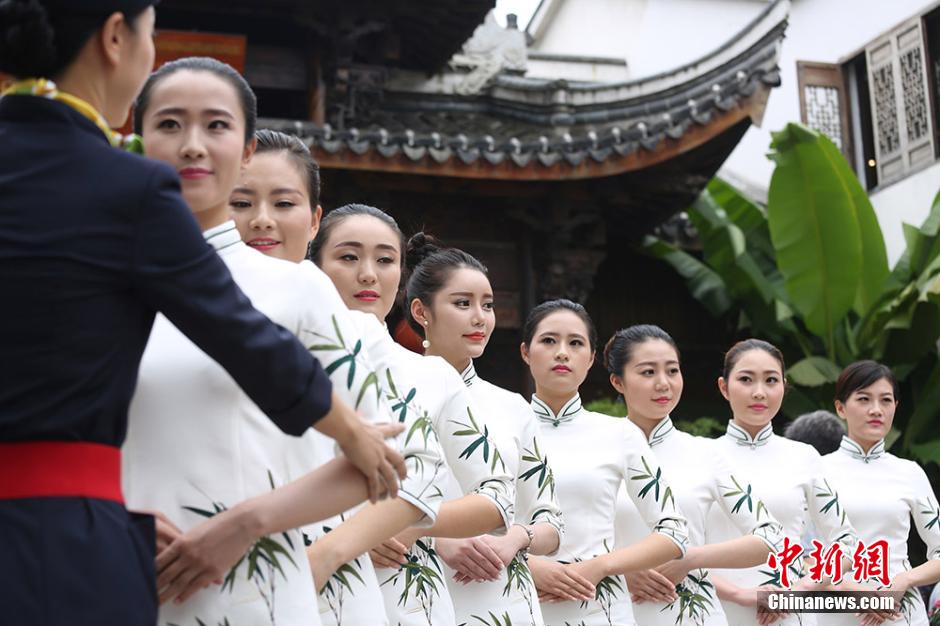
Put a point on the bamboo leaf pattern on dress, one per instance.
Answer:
(422, 577)
(742, 493)
(519, 576)
(773, 577)
(932, 511)
(494, 620)
(761, 510)
(832, 500)
(350, 358)
(695, 598)
(908, 601)
(482, 439)
(199, 622)
(403, 404)
(654, 484)
(338, 585)
(546, 479)
(265, 553)
(606, 591)
(343, 574)
(544, 516)
(422, 425)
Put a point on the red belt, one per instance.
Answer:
(37, 469)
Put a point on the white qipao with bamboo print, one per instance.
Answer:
(352, 596)
(882, 493)
(791, 481)
(592, 455)
(701, 481)
(430, 394)
(512, 600)
(197, 444)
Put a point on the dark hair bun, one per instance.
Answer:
(27, 40)
(419, 247)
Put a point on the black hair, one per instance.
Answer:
(430, 265)
(734, 354)
(540, 312)
(821, 429)
(246, 97)
(619, 348)
(40, 41)
(862, 374)
(276, 141)
(335, 217)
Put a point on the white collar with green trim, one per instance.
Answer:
(743, 438)
(857, 452)
(469, 374)
(223, 236)
(661, 432)
(568, 412)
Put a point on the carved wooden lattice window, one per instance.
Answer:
(897, 75)
(823, 102)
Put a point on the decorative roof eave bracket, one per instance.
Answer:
(479, 163)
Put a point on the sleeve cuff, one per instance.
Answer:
(680, 539)
(430, 510)
(770, 535)
(316, 401)
(555, 523)
(506, 510)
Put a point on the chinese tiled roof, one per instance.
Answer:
(521, 125)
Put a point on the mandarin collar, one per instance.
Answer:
(661, 432)
(742, 438)
(223, 236)
(856, 452)
(567, 413)
(469, 374)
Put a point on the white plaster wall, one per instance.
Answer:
(829, 31)
(906, 201)
(602, 28)
(678, 31)
(652, 35)
(590, 72)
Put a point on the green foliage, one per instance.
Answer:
(608, 406)
(702, 427)
(811, 275)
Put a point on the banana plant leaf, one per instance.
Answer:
(813, 371)
(921, 427)
(820, 224)
(704, 283)
(928, 452)
(750, 218)
(922, 246)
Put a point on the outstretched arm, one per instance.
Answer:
(210, 549)
(364, 530)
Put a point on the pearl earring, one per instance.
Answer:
(424, 342)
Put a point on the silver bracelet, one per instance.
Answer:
(531, 535)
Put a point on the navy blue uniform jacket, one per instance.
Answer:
(93, 242)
